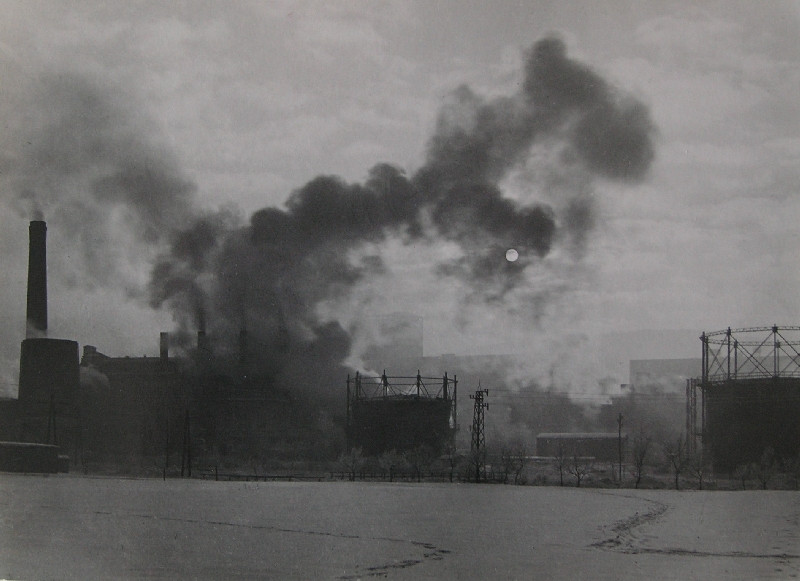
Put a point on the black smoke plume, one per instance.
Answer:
(270, 274)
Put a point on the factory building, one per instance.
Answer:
(116, 408)
(130, 406)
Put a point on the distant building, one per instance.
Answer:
(600, 446)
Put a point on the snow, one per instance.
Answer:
(73, 527)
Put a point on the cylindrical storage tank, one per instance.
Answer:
(751, 395)
(400, 423)
(743, 418)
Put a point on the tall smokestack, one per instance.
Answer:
(37, 279)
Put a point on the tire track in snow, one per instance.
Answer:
(430, 551)
(625, 541)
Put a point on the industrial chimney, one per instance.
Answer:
(164, 346)
(49, 369)
(37, 280)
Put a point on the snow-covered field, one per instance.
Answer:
(72, 527)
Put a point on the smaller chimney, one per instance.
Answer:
(89, 353)
(164, 346)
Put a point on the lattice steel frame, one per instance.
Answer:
(750, 353)
(478, 440)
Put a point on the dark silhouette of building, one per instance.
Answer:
(45, 411)
(750, 395)
(400, 413)
(130, 406)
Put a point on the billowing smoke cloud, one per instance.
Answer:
(271, 274)
(88, 161)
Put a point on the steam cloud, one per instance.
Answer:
(271, 273)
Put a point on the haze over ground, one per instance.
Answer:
(238, 106)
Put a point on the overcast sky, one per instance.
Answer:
(248, 101)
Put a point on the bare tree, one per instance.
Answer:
(792, 468)
(389, 462)
(641, 447)
(520, 455)
(351, 461)
(452, 458)
(675, 453)
(561, 459)
(744, 472)
(579, 468)
(255, 461)
(512, 461)
(419, 459)
(506, 462)
(697, 468)
(766, 467)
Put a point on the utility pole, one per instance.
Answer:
(478, 447)
(186, 456)
(166, 450)
(347, 422)
(619, 445)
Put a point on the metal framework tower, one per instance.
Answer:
(478, 446)
(750, 353)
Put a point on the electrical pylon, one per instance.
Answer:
(478, 446)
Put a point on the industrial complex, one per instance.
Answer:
(77, 407)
